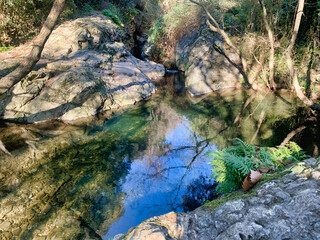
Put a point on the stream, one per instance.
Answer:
(97, 177)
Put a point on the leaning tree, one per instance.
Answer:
(34, 56)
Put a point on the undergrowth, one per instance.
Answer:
(113, 15)
(232, 164)
(171, 19)
(174, 18)
(120, 15)
(5, 48)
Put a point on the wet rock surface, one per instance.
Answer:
(206, 69)
(85, 69)
(285, 208)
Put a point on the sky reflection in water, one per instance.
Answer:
(156, 185)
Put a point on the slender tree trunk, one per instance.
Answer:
(290, 65)
(309, 82)
(216, 28)
(271, 41)
(14, 77)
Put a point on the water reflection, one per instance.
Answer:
(157, 183)
(98, 177)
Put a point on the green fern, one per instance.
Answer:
(290, 151)
(232, 164)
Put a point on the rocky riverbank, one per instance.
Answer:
(85, 68)
(199, 55)
(287, 207)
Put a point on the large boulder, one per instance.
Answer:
(285, 208)
(83, 33)
(85, 69)
(206, 69)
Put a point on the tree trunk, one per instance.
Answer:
(290, 65)
(271, 41)
(216, 28)
(29, 62)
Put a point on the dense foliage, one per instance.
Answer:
(241, 17)
(232, 164)
(82, 3)
(243, 21)
(120, 14)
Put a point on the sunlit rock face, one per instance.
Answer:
(286, 208)
(206, 69)
(85, 69)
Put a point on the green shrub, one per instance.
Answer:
(291, 151)
(113, 16)
(156, 32)
(232, 164)
(5, 48)
(95, 4)
(120, 14)
(129, 12)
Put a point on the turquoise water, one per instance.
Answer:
(101, 176)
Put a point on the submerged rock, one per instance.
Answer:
(206, 69)
(285, 208)
(86, 69)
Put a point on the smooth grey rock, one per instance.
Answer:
(205, 68)
(282, 195)
(310, 162)
(316, 227)
(81, 34)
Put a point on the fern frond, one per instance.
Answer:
(232, 164)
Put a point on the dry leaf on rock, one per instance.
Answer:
(251, 179)
(255, 176)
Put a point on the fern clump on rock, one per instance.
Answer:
(232, 164)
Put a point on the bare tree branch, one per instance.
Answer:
(271, 41)
(292, 134)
